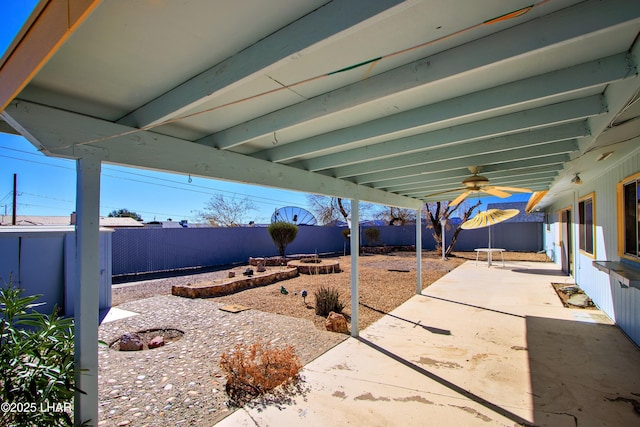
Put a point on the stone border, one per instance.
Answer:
(232, 286)
(325, 267)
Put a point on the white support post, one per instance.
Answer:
(86, 290)
(355, 274)
(418, 251)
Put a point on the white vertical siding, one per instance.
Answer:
(621, 304)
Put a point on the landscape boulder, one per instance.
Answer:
(579, 300)
(131, 342)
(336, 322)
(157, 341)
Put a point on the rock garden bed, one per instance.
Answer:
(573, 297)
(233, 284)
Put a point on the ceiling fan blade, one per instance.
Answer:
(513, 189)
(495, 192)
(460, 198)
(444, 192)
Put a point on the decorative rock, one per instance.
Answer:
(579, 300)
(232, 274)
(570, 290)
(131, 342)
(156, 342)
(336, 323)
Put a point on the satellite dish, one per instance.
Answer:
(294, 215)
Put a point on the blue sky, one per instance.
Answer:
(46, 185)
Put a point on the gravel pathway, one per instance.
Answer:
(181, 383)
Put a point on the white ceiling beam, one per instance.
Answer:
(67, 134)
(553, 161)
(444, 180)
(617, 96)
(489, 128)
(541, 138)
(534, 186)
(561, 147)
(514, 43)
(568, 80)
(312, 31)
(521, 181)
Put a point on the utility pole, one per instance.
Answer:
(15, 198)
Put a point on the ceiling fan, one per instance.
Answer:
(480, 183)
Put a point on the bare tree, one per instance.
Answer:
(221, 212)
(331, 209)
(328, 209)
(397, 216)
(437, 211)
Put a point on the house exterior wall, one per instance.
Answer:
(621, 304)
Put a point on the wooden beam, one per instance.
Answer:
(554, 149)
(516, 43)
(56, 21)
(483, 129)
(544, 86)
(66, 134)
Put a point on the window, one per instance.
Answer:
(628, 235)
(586, 225)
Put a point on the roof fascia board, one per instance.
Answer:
(55, 22)
(65, 134)
(567, 24)
(333, 20)
(555, 83)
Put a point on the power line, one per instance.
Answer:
(257, 199)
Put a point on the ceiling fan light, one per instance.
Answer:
(475, 181)
(576, 180)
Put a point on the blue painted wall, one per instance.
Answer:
(149, 250)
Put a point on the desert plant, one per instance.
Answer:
(373, 235)
(253, 370)
(36, 363)
(282, 233)
(328, 300)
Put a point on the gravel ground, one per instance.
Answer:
(181, 383)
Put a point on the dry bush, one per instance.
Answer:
(253, 370)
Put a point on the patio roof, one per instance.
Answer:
(384, 101)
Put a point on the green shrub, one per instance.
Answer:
(373, 235)
(282, 233)
(36, 363)
(328, 300)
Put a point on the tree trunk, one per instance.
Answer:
(454, 239)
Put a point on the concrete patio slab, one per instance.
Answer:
(482, 346)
